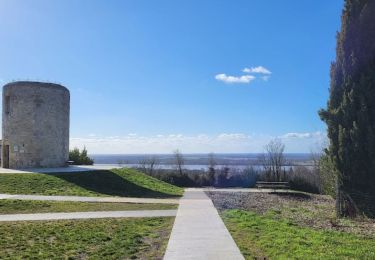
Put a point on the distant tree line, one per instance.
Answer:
(214, 176)
(319, 178)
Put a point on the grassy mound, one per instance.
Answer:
(10, 206)
(142, 238)
(117, 182)
(268, 236)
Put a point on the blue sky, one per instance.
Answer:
(143, 75)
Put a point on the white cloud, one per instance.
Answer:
(259, 69)
(234, 79)
(231, 136)
(302, 135)
(264, 75)
(201, 143)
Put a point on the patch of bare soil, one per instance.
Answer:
(309, 210)
(155, 244)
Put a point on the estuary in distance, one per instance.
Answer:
(199, 161)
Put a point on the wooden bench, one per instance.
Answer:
(272, 185)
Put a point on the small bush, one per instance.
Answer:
(300, 178)
(328, 176)
(80, 158)
(304, 179)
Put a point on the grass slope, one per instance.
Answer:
(118, 182)
(9, 206)
(271, 237)
(144, 238)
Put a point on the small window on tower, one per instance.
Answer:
(7, 105)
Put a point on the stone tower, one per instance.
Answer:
(35, 125)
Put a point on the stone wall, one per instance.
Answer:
(35, 124)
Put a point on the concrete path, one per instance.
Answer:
(89, 199)
(199, 232)
(71, 168)
(89, 215)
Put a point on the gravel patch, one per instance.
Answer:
(309, 210)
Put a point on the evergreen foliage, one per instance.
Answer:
(80, 158)
(350, 115)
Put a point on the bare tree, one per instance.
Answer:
(265, 162)
(211, 162)
(121, 162)
(142, 164)
(179, 160)
(149, 164)
(273, 160)
(153, 162)
(211, 168)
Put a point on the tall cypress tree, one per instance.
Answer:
(350, 113)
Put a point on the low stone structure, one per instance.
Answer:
(35, 125)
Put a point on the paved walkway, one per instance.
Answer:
(89, 199)
(71, 168)
(198, 231)
(89, 215)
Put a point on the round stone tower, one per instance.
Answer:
(35, 125)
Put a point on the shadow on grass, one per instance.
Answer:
(108, 183)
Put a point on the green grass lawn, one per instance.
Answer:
(274, 237)
(10, 206)
(141, 238)
(117, 182)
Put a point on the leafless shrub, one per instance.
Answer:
(273, 159)
(179, 160)
(149, 164)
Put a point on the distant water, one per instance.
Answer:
(197, 161)
(200, 167)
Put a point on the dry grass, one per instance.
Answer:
(306, 210)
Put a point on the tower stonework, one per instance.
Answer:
(35, 127)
